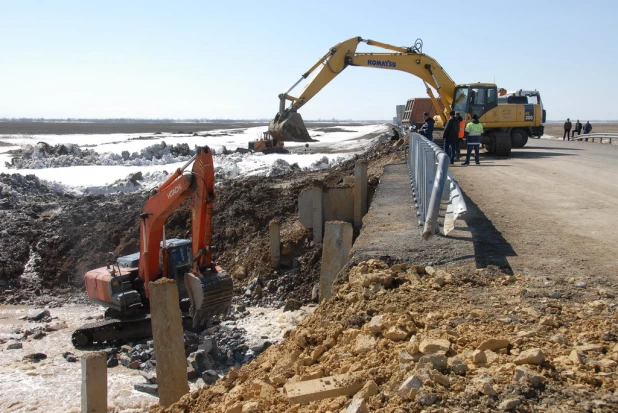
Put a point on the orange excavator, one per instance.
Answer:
(205, 290)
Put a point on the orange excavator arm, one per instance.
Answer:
(199, 185)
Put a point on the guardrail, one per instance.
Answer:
(428, 167)
(599, 136)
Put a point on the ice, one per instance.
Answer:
(108, 172)
(54, 385)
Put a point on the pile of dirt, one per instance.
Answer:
(410, 338)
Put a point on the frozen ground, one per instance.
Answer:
(53, 385)
(108, 172)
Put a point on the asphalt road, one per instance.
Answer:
(551, 212)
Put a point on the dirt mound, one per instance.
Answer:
(413, 338)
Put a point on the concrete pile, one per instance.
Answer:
(410, 338)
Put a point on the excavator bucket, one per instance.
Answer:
(210, 294)
(289, 126)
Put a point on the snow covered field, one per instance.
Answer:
(107, 172)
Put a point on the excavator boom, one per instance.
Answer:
(288, 124)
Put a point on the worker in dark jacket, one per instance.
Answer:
(396, 135)
(451, 134)
(567, 129)
(474, 131)
(587, 129)
(427, 128)
(578, 129)
(462, 131)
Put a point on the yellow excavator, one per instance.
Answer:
(507, 122)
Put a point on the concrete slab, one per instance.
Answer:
(335, 254)
(334, 386)
(390, 229)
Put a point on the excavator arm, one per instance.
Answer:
(209, 287)
(288, 124)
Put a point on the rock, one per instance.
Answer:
(14, 346)
(576, 358)
(191, 373)
(509, 404)
(210, 376)
(317, 352)
(38, 315)
(590, 348)
(524, 374)
(376, 325)
(557, 338)
(410, 387)
(364, 344)
(150, 376)
(457, 366)
(357, 406)
(112, 361)
(396, 334)
(251, 407)
(147, 388)
(487, 389)
(315, 293)
(547, 321)
(56, 326)
(532, 356)
(405, 357)
(436, 361)
(240, 272)
(493, 344)
(35, 357)
(207, 345)
(426, 398)
(429, 270)
(38, 335)
(479, 357)
(134, 365)
(431, 346)
(370, 389)
(200, 361)
(292, 305)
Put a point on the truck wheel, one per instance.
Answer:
(519, 138)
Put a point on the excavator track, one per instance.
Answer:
(117, 330)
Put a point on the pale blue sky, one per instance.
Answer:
(230, 59)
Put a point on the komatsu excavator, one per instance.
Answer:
(123, 287)
(506, 124)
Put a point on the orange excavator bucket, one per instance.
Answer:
(289, 126)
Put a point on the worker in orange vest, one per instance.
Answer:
(462, 130)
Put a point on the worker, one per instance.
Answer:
(396, 135)
(587, 129)
(427, 128)
(462, 132)
(567, 129)
(451, 133)
(474, 130)
(578, 128)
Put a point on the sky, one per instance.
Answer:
(231, 59)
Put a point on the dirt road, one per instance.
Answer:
(553, 206)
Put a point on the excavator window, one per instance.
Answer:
(460, 103)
